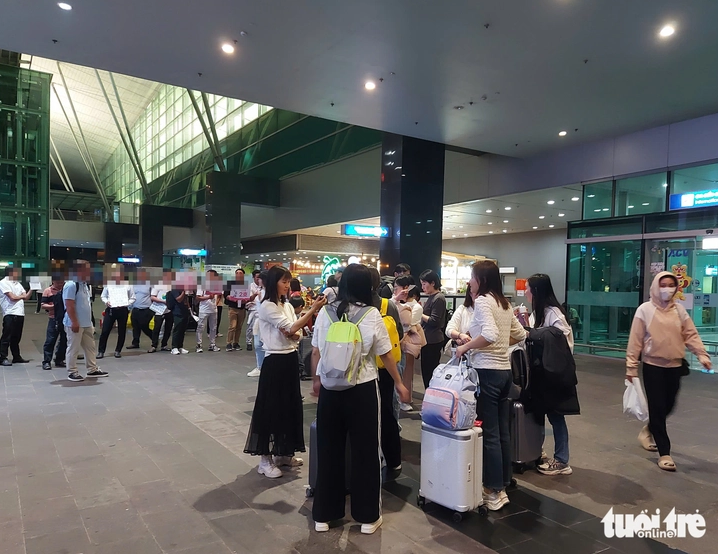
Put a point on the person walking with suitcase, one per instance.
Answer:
(660, 333)
(555, 401)
(276, 432)
(493, 329)
(354, 411)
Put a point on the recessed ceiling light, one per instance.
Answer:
(461, 226)
(630, 207)
(227, 48)
(667, 31)
(491, 232)
(506, 220)
(604, 210)
(64, 6)
(489, 211)
(561, 215)
(466, 234)
(491, 222)
(507, 208)
(645, 204)
(542, 216)
(370, 85)
(504, 231)
(453, 236)
(665, 185)
(562, 134)
(551, 202)
(535, 227)
(598, 210)
(591, 195)
(551, 226)
(575, 199)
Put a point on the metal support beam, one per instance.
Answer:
(133, 161)
(62, 165)
(213, 128)
(62, 177)
(215, 153)
(83, 155)
(90, 163)
(143, 179)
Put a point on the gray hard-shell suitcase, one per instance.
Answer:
(527, 435)
(314, 462)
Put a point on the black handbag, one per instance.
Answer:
(685, 368)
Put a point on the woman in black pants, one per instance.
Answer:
(433, 323)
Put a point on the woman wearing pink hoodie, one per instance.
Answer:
(660, 333)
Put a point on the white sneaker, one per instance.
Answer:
(175, 351)
(254, 373)
(198, 350)
(183, 351)
(406, 407)
(320, 527)
(370, 528)
(268, 469)
(288, 461)
(214, 348)
(494, 500)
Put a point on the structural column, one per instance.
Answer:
(412, 201)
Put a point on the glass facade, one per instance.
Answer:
(24, 167)
(641, 195)
(597, 200)
(169, 133)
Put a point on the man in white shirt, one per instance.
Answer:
(255, 288)
(12, 303)
(158, 295)
(117, 296)
(141, 314)
(208, 310)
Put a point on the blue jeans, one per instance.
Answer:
(54, 332)
(494, 413)
(560, 437)
(258, 351)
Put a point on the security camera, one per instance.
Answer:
(709, 231)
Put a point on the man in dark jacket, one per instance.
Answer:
(386, 289)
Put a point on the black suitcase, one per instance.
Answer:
(527, 435)
(313, 461)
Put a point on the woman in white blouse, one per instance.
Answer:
(493, 329)
(458, 328)
(406, 297)
(276, 431)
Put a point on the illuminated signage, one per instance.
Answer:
(128, 260)
(698, 199)
(365, 231)
(192, 252)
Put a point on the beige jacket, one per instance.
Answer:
(661, 331)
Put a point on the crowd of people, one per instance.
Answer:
(395, 330)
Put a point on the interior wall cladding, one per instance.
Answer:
(339, 245)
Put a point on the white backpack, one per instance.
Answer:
(342, 357)
(450, 400)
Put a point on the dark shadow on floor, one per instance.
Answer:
(67, 383)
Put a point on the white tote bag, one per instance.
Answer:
(634, 400)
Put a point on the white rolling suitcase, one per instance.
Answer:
(452, 469)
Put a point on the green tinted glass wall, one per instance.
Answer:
(24, 167)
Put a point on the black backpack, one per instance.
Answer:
(59, 304)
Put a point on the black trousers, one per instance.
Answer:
(353, 412)
(140, 318)
(178, 331)
(168, 320)
(390, 440)
(11, 334)
(662, 385)
(430, 358)
(55, 331)
(111, 315)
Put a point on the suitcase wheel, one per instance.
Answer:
(483, 511)
(512, 485)
(519, 468)
(309, 492)
(421, 501)
(457, 517)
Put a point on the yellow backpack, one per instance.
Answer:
(390, 324)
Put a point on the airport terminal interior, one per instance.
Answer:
(205, 147)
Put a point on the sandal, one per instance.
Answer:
(646, 440)
(666, 463)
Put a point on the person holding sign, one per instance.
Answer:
(117, 296)
(236, 299)
(12, 301)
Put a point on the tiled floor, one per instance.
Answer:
(150, 460)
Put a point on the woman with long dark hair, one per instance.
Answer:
(355, 411)
(433, 323)
(458, 327)
(276, 431)
(554, 401)
(493, 329)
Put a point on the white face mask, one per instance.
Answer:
(667, 293)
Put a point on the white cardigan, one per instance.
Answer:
(460, 321)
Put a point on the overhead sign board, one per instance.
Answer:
(365, 231)
(698, 199)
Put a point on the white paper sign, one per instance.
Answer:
(118, 296)
(240, 292)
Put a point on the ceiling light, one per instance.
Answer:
(507, 208)
(504, 231)
(535, 227)
(506, 220)
(562, 134)
(542, 216)
(491, 232)
(453, 236)
(491, 222)
(64, 6)
(575, 199)
(461, 226)
(488, 211)
(665, 185)
(667, 31)
(604, 210)
(591, 195)
(645, 204)
(551, 226)
(466, 234)
(551, 202)
(630, 207)
(561, 215)
(598, 210)
(370, 85)
(227, 48)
